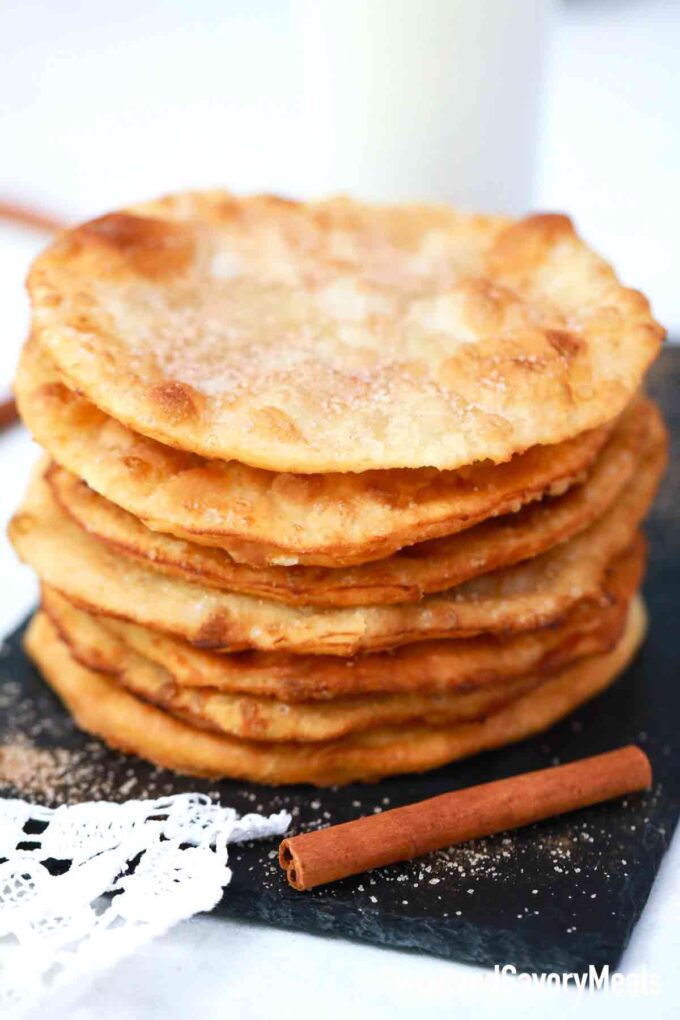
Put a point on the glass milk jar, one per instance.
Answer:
(422, 99)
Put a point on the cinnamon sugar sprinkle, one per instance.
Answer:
(55, 775)
(58, 773)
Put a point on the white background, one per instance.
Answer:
(570, 105)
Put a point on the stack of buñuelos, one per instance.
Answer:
(332, 491)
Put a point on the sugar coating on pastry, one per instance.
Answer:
(339, 336)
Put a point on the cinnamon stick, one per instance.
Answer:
(36, 219)
(8, 412)
(315, 858)
(27, 216)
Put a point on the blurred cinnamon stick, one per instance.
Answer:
(8, 412)
(316, 858)
(27, 216)
(35, 219)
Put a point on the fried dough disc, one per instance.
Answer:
(429, 666)
(101, 706)
(257, 718)
(264, 518)
(337, 336)
(517, 598)
(404, 577)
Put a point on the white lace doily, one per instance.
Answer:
(160, 860)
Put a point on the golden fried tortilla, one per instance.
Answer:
(519, 598)
(340, 336)
(101, 706)
(406, 575)
(265, 518)
(431, 667)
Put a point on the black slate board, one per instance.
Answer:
(558, 896)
